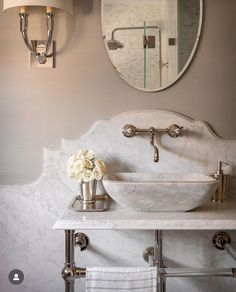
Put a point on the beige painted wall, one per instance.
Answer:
(38, 107)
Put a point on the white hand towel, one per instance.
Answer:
(121, 279)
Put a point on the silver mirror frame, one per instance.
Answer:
(190, 59)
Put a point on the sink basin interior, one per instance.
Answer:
(159, 177)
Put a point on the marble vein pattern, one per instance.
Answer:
(28, 212)
(210, 216)
(160, 191)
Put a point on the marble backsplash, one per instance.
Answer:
(28, 212)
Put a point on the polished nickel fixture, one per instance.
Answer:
(71, 272)
(221, 193)
(173, 131)
(222, 240)
(39, 49)
(148, 41)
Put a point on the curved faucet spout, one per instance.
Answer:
(156, 151)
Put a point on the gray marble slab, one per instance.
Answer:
(28, 212)
(211, 216)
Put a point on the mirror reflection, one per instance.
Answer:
(151, 42)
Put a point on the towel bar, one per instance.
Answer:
(171, 272)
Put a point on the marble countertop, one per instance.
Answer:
(212, 216)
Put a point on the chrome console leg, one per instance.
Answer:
(69, 286)
(158, 259)
(154, 256)
(70, 272)
(67, 272)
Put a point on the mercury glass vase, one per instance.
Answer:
(88, 194)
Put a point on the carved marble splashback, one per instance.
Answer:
(28, 212)
(198, 150)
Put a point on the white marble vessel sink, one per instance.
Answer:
(153, 192)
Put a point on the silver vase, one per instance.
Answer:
(88, 194)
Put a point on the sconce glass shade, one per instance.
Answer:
(66, 5)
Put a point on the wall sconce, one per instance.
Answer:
(39, 49)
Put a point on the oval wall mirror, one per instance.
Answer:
(151, 42)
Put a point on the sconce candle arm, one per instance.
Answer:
(42, 57)
(24, 31)
(50, 29)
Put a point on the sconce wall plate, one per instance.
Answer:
(40, 46)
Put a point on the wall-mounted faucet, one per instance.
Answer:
(173, 131)
(156, 151)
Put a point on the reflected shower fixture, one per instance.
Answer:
(148, 41)
(39, 49)
(114, 44)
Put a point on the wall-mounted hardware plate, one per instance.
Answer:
(172, 41)
(220, 239)
(40, 47)
(149, 42)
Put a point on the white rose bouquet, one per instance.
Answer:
(84, 167)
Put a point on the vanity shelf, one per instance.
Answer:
(212, 216)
